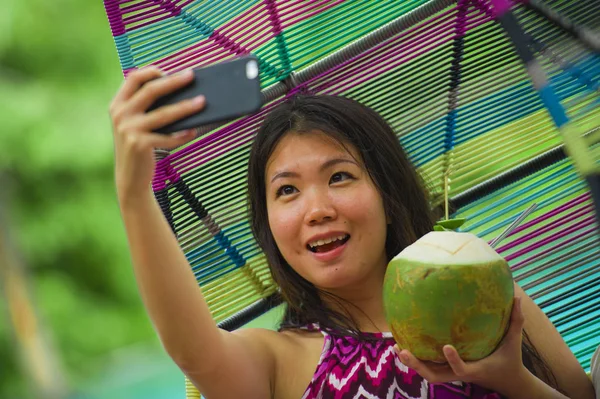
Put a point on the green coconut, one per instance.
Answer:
(448, 288)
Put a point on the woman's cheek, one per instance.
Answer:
(356, 205)
(285, 225)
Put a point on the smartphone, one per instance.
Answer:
(231, 89)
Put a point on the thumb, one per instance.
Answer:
(171, 141)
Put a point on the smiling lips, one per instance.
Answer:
(327, 243)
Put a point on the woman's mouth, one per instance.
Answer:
(328, 244)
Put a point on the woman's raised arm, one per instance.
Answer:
(174, 302)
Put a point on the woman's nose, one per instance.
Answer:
(320, 209)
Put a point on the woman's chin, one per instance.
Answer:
(336, 277)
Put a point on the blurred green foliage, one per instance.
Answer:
(58, 72)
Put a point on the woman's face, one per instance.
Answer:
(324, 211)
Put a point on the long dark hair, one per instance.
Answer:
(406, 201)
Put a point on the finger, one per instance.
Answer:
(151, 91)
(517, 320)
(171, 113)
(458, 366)
(168, 142)
(432, 372)
(134, 81)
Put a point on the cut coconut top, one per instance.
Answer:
(449, 247)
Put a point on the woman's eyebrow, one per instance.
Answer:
(335, 161)
(328, 164)
(281, 175)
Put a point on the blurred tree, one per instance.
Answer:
(58, 73)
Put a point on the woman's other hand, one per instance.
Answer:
(133, 127)
(502, 371)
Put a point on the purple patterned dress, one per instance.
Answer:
(351, 369)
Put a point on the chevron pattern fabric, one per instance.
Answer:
(351, 369)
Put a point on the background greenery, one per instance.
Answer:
(58, 73)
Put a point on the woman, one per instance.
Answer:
(334, 198)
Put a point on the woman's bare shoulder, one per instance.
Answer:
(276, 340)
(293, 356)
(281, 348)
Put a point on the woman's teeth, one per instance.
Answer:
(313, 245)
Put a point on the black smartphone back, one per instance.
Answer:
(231, 89)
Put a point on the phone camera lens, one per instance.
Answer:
(252, 69)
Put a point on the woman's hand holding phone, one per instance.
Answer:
(133, 127)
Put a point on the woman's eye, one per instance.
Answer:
(286, 190)
(340, 176)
